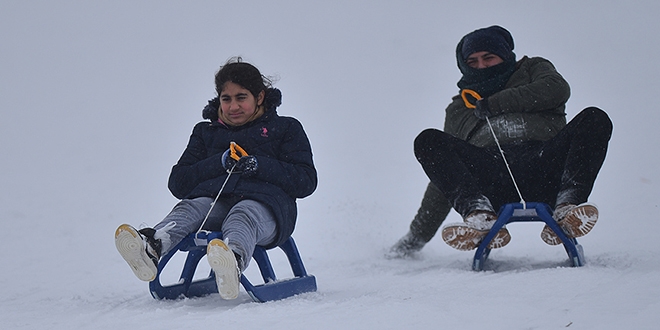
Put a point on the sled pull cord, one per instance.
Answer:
(235, 152)
(215, 200)
(470, 105)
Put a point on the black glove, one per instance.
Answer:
(247, 165)
(482, 111)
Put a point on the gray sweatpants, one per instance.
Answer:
(244, 225)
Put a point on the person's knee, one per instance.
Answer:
(599, 120)
(425, 136)
(425, 140)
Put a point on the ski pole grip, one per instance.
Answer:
(472, 93)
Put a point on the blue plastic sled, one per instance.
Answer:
(271, 289)
(517, 212)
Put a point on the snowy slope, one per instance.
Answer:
(98, 101)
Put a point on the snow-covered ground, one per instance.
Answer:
(98, 100)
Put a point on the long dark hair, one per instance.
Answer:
(241, 73)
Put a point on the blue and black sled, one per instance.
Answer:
(528, 212)
(271, 289)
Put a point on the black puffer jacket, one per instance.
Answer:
(285, 167)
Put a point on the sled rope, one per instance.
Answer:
(215, 200)
(472, 106)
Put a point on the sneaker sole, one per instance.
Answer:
(549, 237)
(223, 262)
(464, 238)
(131, 247)
(577, 223)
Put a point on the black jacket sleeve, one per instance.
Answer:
(293, 170)
(195, 166)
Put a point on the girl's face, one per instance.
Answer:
(237, 104)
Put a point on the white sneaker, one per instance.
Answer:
(139, 250)
(575, 221)
(468, 235)
(223, 262)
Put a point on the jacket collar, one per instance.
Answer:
(267, 116)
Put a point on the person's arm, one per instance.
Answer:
(194, 167)
(293, 168)
(541, 88)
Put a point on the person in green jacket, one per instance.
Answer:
(552, 162)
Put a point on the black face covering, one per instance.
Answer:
(487, 81)
(496, 40)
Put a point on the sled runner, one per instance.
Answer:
(528, 212)
(272, 288)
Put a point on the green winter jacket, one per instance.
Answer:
(530, 107)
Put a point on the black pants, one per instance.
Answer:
(431, 213)
(560, 170)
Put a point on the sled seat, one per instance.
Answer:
(528, 212)
(271, 289)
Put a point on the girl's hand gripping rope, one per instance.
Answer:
(236, 159)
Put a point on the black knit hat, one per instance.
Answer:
(494, 39)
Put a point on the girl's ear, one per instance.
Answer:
(260, 99)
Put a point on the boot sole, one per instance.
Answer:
(577, 223)
(223, 262)
(132, 249)
(465, 238)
